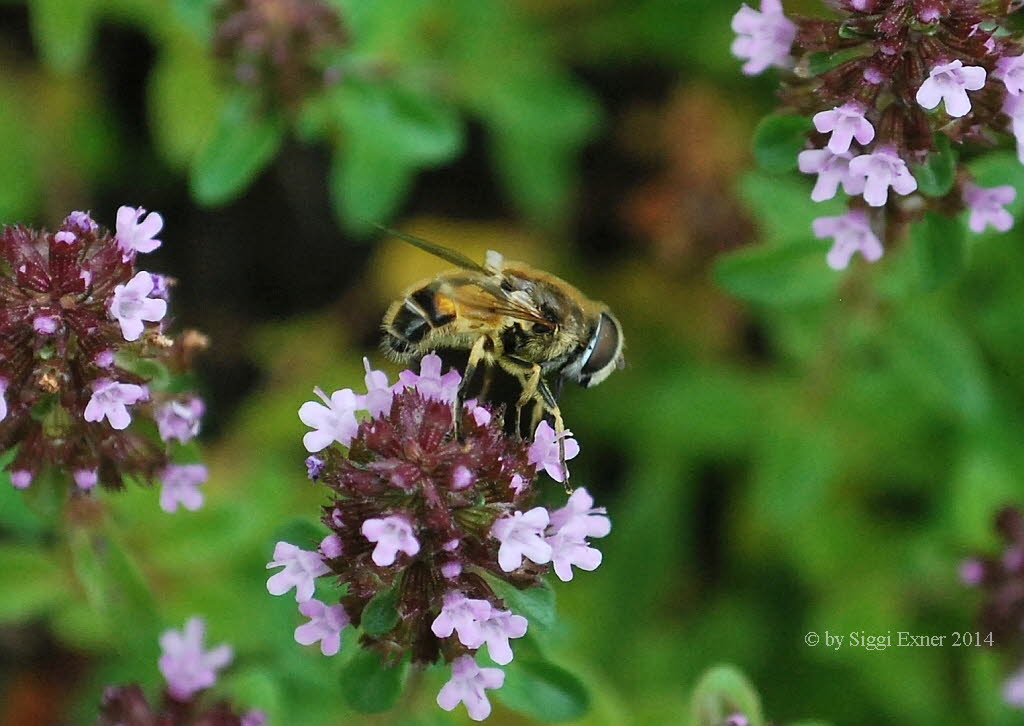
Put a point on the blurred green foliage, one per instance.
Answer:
(815, 457)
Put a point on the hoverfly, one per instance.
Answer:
(510, 317)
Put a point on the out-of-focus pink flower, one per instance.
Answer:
(763, 38)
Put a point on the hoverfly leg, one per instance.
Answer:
(552, 407)
(476, 354)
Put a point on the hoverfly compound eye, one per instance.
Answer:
(602, 351)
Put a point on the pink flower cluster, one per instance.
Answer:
(415, 506)
(76, 319)
(877, 114)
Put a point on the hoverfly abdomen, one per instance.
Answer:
(414, 317)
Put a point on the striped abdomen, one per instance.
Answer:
(410, 320)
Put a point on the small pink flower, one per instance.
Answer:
(325, 625)
(950, 82)
(301, 568)
(86, 479)
(378, 393)
(179, 484)
(111, 399)
(851, 233)
(130, 305)
(880, 170)
(462, 615)
(3, 398)
(467, 685)
(46, 324)
(1013, 106)
(495, 631)
(67, 238)
(568, 548)
(846, 122)
(1013, 689)
(334, 420)
(462, 478)
(545, 453)
(832, 170)
(580, 515)
(430, 383)
(763, 37)
(185, 665)
(21, 478)
(987, 207)
(522, 535)
(480, 414)
(135, 234)
(330, 546)
(180, 419)
(1010, 70)
(393, 535)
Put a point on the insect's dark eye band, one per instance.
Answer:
(603, 345)
(541, 328)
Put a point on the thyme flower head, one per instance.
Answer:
(430, 527)
(894, 91)
(279, 47)
(1000, 577)
(85, 361)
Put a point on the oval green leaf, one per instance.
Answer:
(722, 692)
(543, 691)
(369, 686)
(243, 142)
(777, 141)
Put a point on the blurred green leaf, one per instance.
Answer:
(183, 99)
(255, 688)
(243, 141)
(936, 175)
(114, 587)
(300, 532)
(782, 206)
(787, 275)
(380, 614)
(536, 604)
(938, 248)
(17, 200)
(543, 691)
(388, 134)
(63, 31)
(721, 692)
(368, 686)
(33, 583)
(937, 361)
(778, 139)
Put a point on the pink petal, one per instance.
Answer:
(929, 94)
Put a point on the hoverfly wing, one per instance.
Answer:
(445, 253)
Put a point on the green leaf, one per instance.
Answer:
(938, 243)
(820, 62)
(536, 604)
(255, 688)
(936, 175)
(17, 198)
(389, 133)
(543, 691)
(788, 275)
(777, 141)
(243, 141)
(63, 31)
(114, 586)
(783, 207)
(936, 360)
(300, 532)
(380, 614)
(32, 583)
(369, 686)
(182, 101)
(538, 122)
(721, 692)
